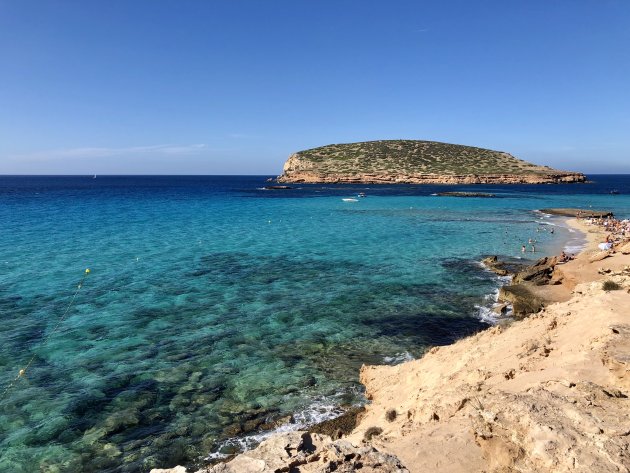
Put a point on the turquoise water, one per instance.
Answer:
(215, 308)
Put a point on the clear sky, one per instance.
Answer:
(235, 86)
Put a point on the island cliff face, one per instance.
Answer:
(416, 162)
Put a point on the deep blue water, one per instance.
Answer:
(214, 307)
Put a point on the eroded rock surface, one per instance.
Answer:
(547, 393)
(303, 452)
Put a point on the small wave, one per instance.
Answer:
(486, 312)
(319, 410)
(542, 214)
(574, 248)
(489, 316)
(398, 358)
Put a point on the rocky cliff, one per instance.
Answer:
(416, 162)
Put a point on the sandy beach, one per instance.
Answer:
(546, 393)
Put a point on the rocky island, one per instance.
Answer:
(416, 162)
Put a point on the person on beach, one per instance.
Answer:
(523, 249)
(533, 249)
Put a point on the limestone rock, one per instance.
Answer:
(624, 248)
(339, 426)
(543, 430)
(494, 265)
(177, 469)
(539, 273)
(524, 302)
(309, 453)
(600, 256)
(501, 267)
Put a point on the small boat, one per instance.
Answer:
(350, 199)
(614, 191)
(361, 194)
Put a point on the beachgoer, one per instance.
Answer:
(533, 249)
(523, 249)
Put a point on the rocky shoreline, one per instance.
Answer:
(522, 293)
(578, 213)
(317, 178)
(548, 392)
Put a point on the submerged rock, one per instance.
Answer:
(502, 267)
(465, 194)
(494, 265)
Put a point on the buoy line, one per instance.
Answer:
(22, 371)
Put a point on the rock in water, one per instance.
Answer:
(578, 213)
(502, 268)
(339, 426)
(465, 194)
(523, 301)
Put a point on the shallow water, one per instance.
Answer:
(215, 308)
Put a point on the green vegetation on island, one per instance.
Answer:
(415, 161)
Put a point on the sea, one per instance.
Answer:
(216, 312)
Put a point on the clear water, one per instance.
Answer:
(215, 308)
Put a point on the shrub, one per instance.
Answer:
(390, 415)
(610, 286)
(371, 432)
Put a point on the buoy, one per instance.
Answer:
(22, 371)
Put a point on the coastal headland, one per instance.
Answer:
(548, 392)
(416, 162)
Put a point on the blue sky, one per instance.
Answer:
(235, 86)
